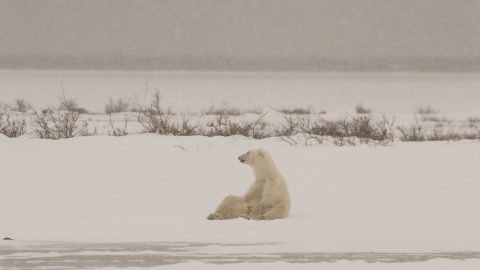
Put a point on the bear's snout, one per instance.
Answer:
(242, 158)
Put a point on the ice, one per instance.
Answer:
(197, 91)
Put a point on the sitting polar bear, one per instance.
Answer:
(268, 196)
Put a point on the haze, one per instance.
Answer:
(241, 34)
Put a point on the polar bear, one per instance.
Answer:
(267, 197)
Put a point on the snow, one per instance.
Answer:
(149, 195)
(406, 197)
(431, 265)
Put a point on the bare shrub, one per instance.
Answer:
(357, 129)
(223, 125)
(231, 111)
(71, 105)
(293, 125)
(60, 123)
(425, 110)
(20, 105)
(116, 106)
(81, 110)
(184, 128)
(298, 110)
(434, 118)
(440, 134)
(55, 124)
(474, 129)
(413, 133)
(360, 109)
(12, 127)
(474, 122)
(352, 130)
(369, 128)
(42, 126)
(470, 136)
(155, 119)
(258, 128)
(289, 127)
(419, 132)
(85, 130)
(114, 130)
(302, 130)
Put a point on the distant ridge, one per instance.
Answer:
(120, 62)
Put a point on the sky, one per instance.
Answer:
(235, 30)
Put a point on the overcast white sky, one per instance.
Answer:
(242, 28)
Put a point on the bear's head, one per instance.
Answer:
(253, 157)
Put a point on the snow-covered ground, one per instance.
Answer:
(105, 202)
(407, 198)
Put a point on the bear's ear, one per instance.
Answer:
(259, 153)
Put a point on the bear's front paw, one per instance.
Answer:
(212, 216)
(256, 217)
(257, 210)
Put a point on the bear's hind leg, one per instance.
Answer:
(230, 207)
(276, 212)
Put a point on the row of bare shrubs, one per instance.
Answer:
(59, 122)
(12, 126)
(156, 119)
(352, 130)
(419, 132)
(63, 122)
(349, 131)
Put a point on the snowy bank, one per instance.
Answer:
(406, 197)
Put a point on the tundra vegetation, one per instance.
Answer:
(295, 125)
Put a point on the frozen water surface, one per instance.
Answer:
(196, 91)
(140, 255)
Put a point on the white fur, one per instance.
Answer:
(267, 197)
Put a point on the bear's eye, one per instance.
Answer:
(248, 152)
